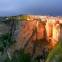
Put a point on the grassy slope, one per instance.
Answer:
(56, 54)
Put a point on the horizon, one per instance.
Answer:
(33, 7)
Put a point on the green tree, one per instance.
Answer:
(19, 56)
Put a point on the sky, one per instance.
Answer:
(34, 7)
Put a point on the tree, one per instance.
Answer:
(7, 39)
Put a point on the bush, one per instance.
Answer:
(5, 41)
(19, 56)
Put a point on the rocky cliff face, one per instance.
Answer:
(36, 34)
(44, 32)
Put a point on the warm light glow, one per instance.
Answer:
(52, 27)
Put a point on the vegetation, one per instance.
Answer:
(56, 54)
(20, 56)
(6, 40)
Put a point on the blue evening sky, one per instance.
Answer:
(38, 7)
